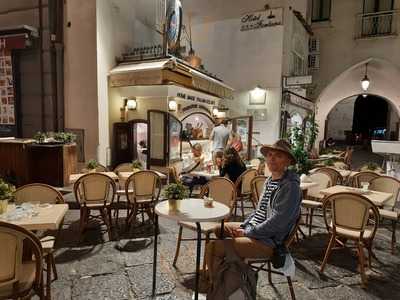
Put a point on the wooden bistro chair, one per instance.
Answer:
(353, 217)
(314, 197)
(243, 190)
(257, 186)
(123, 167)
(20, 278)
(146, 187)
(336, 178)
(390, 210)
(43, 193)
(222, 190)
(365, 176)
(95, 191)
(264, 264)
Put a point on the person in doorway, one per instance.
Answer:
(219, 137)
(231, 165)
(330, 143)
(273, 219)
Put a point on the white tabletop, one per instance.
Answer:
(208, 175)
(307, 185)
(125, 175)
(193, 210)
(378, 198)
(49, 218)
(74, 177)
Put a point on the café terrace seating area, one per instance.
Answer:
(95, 238)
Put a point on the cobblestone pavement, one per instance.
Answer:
(97, 268)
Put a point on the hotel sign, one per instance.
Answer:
(296, 100)
(261, 19)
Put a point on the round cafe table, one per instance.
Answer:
(190, 210)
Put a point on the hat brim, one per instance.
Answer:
(266, 148)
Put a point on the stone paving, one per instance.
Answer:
(97, 268)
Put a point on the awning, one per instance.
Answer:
(167, 71)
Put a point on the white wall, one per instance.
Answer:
(80, 74)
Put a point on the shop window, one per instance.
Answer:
(321, 10)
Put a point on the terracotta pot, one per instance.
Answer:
(194, 61)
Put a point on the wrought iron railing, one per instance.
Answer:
(383, 23)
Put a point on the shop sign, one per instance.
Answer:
(296, 100)
(194, 98)
(196, 106)
(13, 42)
(261, 19)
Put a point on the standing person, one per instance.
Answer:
(231, 165)
(274, 218)
(219, 137)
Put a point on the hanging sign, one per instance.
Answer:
(7, 97)
(261, 19)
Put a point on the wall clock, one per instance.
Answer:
(174, 24)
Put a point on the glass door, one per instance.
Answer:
(174, 139)
(139, 141)
(243, 128)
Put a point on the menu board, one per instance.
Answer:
(7, 95)
(175, 129)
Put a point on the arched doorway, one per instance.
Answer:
(384, 76)
(360, 118)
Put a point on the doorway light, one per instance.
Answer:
(131, 104)
(258, 92)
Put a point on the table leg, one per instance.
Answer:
(153, 293)
(222, 229)
(196, 292)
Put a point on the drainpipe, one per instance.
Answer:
(43, 120)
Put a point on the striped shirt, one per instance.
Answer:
(263, 210)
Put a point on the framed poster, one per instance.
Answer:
(7, 94)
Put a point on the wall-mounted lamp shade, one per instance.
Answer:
(364, 95)
(365, 83)
(172, 105)
(257, 95)
(131, 104)
(215, 111)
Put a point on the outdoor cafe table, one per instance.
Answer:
(378, 198)
(189, 210)
(125, 175)
(206, 174)
(74, 177)
(49, 217)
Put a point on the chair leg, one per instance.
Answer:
(269, 273)
(48, 276)
(53, 265)
(393, 243)
(132, 217)
(178, 246)
(83, 220)
(361, 263)
(242, 207)
(106, 221)
(310, 224)
(205, 247)
(235, 214)
(292, 294)
(328, 251)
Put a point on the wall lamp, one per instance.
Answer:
(365, 81)
(215, 111)
(172, 105)
(130, 104)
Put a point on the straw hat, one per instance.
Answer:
(280, 145)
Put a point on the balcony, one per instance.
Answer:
(383, 23)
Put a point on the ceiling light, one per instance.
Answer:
(365, 81)
(258, 92)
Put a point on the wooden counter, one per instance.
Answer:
(22, 162)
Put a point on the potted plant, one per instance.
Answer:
(6, 193)
(40, 137)
(92, 165)
(174, 192)
(136, 166)
(303, 164)
(65, 137)
(371, 166)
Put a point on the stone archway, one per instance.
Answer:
(384, 76)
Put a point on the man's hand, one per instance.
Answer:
(238, 232)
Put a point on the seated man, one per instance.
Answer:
(274, 218)
(197, 164)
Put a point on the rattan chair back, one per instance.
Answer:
(243, 182)
(94, 188)
(38, 192)
(336, 178)
(17, 276)
(386, 184)
(222, 190)
(145, 184)
(257, 186)
(365, 176)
